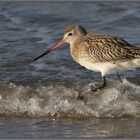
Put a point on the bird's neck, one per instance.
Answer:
(75, 50)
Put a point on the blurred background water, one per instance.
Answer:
(43, 95)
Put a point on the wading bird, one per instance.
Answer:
(98, 52)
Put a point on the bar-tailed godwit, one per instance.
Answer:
(98, 52)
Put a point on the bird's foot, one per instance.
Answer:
(82, 98)
(93, 88)
(120, 79)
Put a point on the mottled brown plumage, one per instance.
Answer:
(101, 48)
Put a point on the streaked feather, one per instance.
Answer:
(102, 48)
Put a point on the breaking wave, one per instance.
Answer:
(60, 100)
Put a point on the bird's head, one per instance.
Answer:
(71, 34)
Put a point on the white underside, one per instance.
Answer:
(110, 67)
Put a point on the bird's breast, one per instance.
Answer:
(79, 54)
(77, 51)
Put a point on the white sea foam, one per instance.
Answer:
(116, 100)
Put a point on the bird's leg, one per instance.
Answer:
(100, 87)
(119, 77)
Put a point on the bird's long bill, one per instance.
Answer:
(55, 46)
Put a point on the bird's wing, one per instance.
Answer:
(104, 48)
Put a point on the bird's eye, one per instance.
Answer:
(70, 34)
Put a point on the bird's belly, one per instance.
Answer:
(89, 65)
(110, 67)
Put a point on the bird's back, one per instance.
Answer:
(102, 48)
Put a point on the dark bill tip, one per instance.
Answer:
(55, 46)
